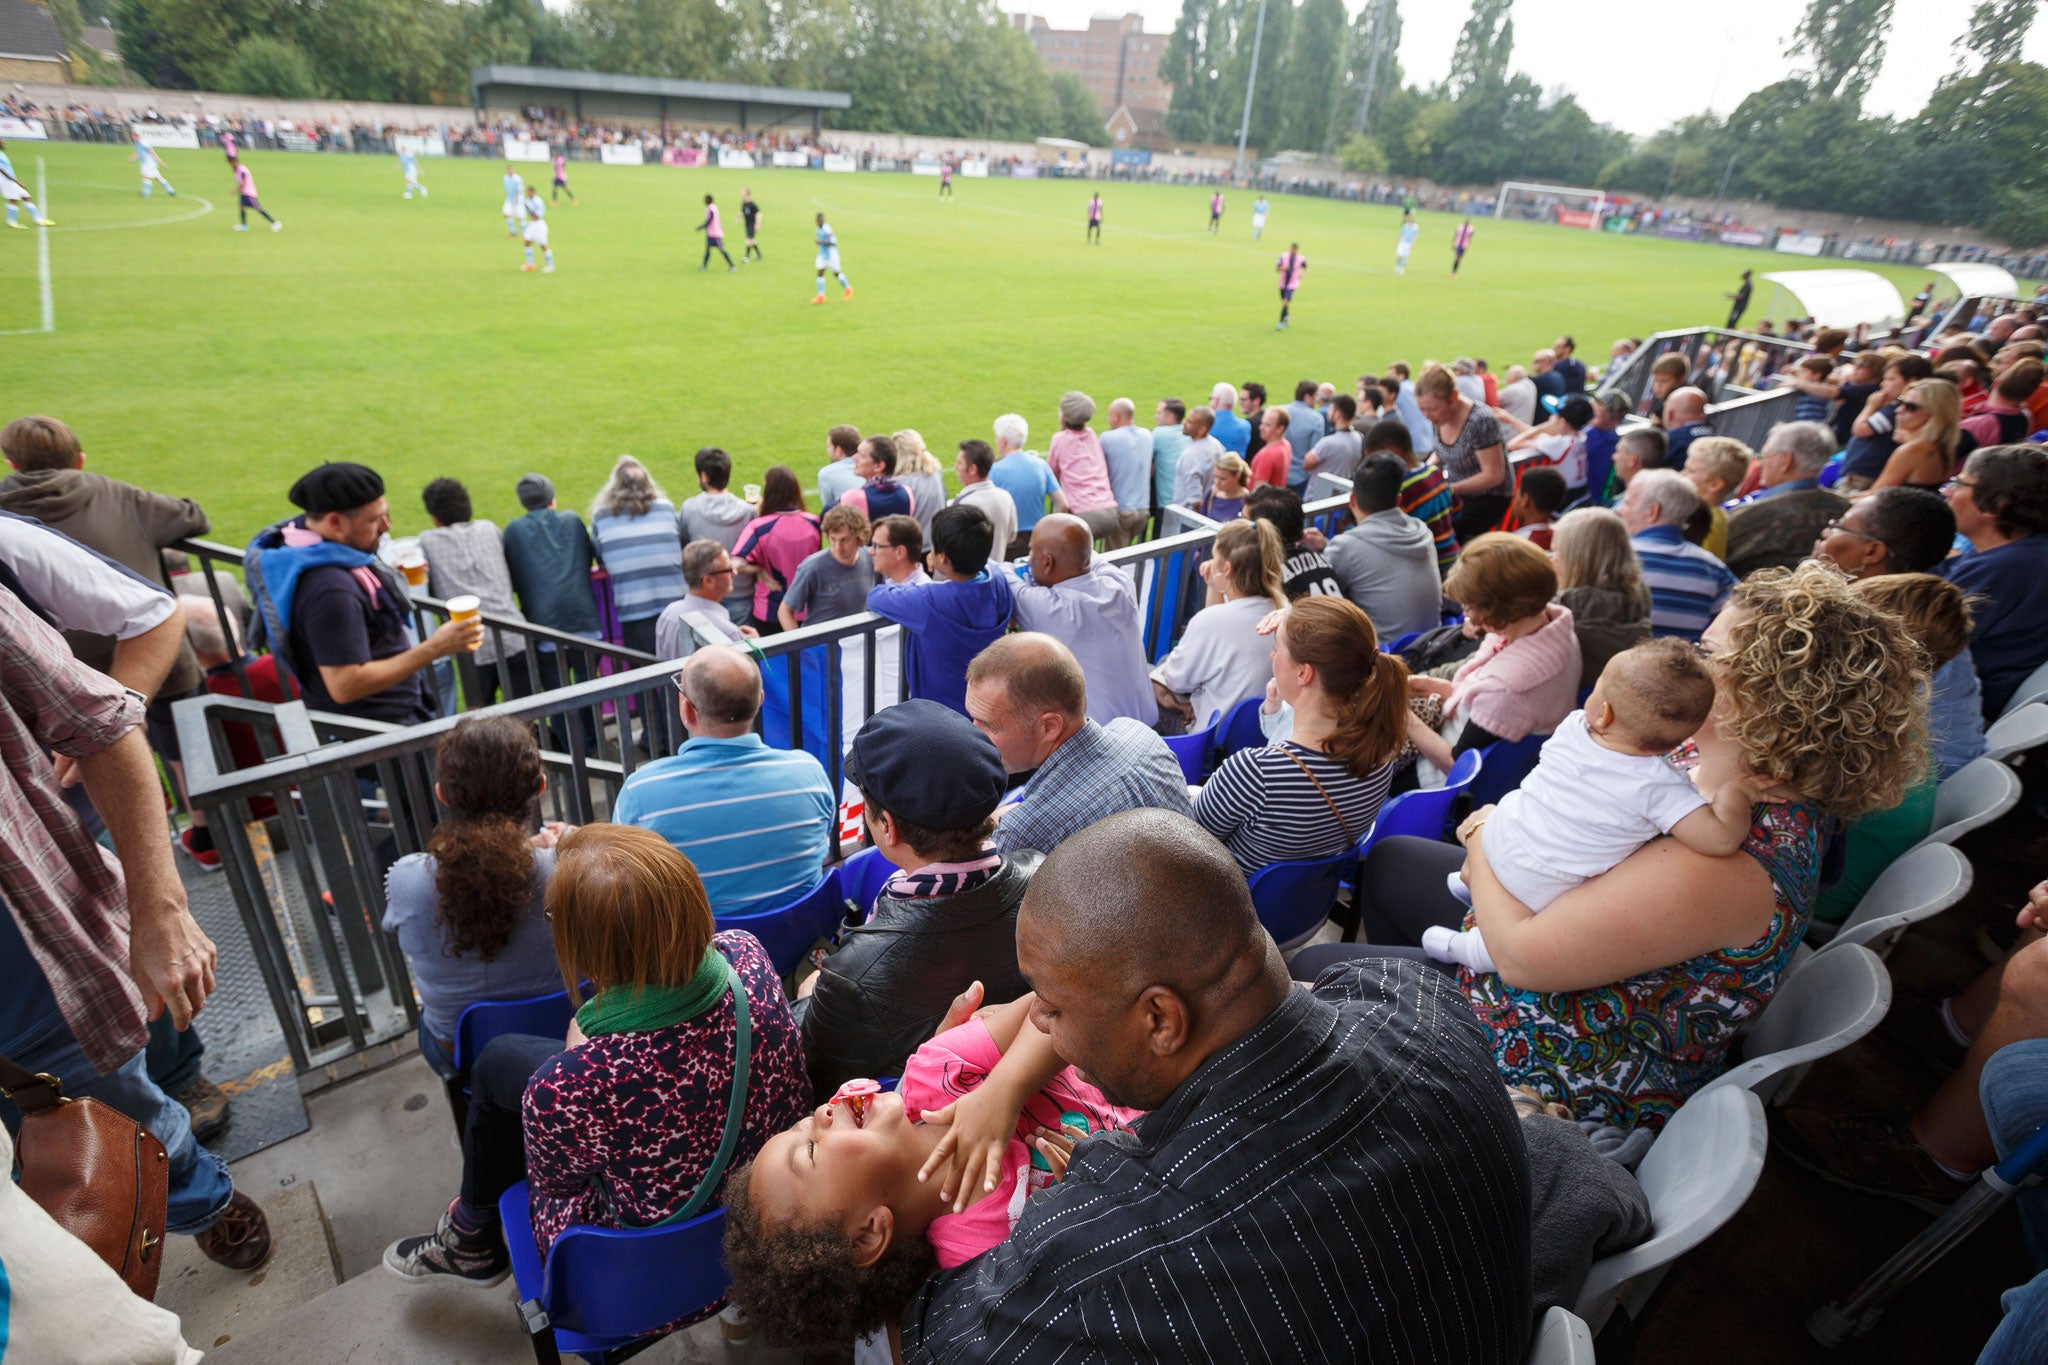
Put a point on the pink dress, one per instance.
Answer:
(956, 1062)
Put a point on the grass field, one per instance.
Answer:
(201, 361)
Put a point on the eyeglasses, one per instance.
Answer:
(1907, 405)
(725, 572)
(1958, 482)
(1835, 526)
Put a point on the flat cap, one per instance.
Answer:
(927, 764)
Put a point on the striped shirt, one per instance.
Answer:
(644, 557)
(757, 822)
(1688, 586)
(1344, 1181)
(1101, 770)
(1426, 497)
(1266, 810)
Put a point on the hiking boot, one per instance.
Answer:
(478, 1259)
(1874, 1153)
(241, 1239)
(207, 1103)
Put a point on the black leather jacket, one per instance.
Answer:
(884, 989)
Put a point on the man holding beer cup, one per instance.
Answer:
(345, 616)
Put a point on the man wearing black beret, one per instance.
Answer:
(948, 918)
(343, 615)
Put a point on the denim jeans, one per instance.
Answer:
(2014, 1092)
(174, 1054)
(200, 1184)
(434, 1055)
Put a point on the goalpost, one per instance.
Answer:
(1566, 205)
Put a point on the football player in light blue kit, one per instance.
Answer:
(16, 194)
(409, 163)
(536, 211)
(1410, 230)
(828, 259)
(151, 165)
(515, 213)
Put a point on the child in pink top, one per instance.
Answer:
(832, 1227)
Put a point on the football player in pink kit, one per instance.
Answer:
(245, 186)
(1095, 220)
(1461, 242)
(713, 229)
(1289, 267)
(1216, 211)
(562, 181)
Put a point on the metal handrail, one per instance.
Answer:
(1632, 376)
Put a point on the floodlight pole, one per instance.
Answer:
(1251, 83)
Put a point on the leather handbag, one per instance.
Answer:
(101, 1175)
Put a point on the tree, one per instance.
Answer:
(1078, 114)
(1371, 70)
(1361, 155)
(1192, 65)
(1845, 40)
(263, 65)
(1998, 29)
(1312, 75)
(1484, 46)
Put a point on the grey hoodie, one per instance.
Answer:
(720, 517)
(1387, 565)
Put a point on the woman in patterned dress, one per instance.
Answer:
(1622, 997)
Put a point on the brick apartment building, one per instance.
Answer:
(1115, 58)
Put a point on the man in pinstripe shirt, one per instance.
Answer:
(1334, 1174)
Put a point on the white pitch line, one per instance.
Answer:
(43, 251)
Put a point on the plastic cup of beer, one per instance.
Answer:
(467, 608)
(414, 567)
(753, 493)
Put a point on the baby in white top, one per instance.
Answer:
(1603, 789)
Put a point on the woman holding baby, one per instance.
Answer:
(1621, 998)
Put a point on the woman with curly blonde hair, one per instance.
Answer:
(1621, 998)
(919, 470)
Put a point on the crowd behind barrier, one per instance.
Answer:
(1352, 608)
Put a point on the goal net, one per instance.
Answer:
(1564, 205)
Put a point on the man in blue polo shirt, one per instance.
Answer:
(962, 611)
(1231, 431)
(1688, 586)
(1027, 478)
(757, 822)
(2001, 504)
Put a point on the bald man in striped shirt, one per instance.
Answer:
(1326, 1174)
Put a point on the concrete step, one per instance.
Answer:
(218, 1305)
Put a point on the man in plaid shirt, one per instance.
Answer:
(89, 949)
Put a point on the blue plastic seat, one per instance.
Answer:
(788, 931)
(601, 1290)
(1508, 761)
(1399, 642)
(1294, 898)
(861, 879)
(1421, 814)
(547, 1016)
(1194, 751)
(1241, 729)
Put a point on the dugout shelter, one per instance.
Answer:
(653, 100)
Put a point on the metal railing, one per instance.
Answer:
(306, 836)
(1632, 375)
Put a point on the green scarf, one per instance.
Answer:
(641, 1009)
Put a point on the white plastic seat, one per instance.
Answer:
(2018, 731)
(1818, 1010)
(2034, 689)
(1973, 796)
(1917, 886)
(1561, 1339)
(1698, 1173)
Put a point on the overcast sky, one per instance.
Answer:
(1639, 64)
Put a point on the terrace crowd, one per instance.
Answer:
(1774, 656)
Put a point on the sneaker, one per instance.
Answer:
(849, 293)
(527, 266)
(277, 227)
(17, 223)
(240, 1240)
(46, 222)
(819, 299)
(207, 1103)
(479, 1261)
(547, 270)
(1874, 1153)
(241, 227)
(207, 858)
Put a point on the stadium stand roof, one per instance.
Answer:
(1839, 298)
(1975, 280)
(599, 94)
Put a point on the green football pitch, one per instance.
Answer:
(201, 361)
